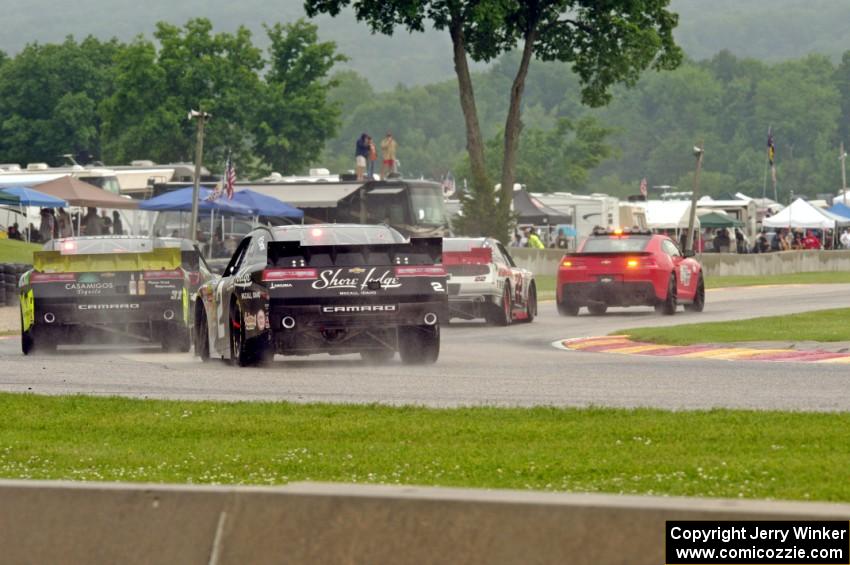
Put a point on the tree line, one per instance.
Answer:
(122, 101)
(647, 131)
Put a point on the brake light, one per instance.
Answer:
(618, 231)
(430, 271)
(194, 278)
(68, 246)
(567, 264)
(161, 275)
(52, 277)
(289, 274)
(316, 232)
(632, 263)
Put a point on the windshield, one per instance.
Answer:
(221, 244)
(110, 184)
(427, 203)
(617, 244)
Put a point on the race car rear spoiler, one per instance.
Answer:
(418, 251)
(163, 258)
(475, 256)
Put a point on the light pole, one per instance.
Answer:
(843, 174)
(698, 153)
(199, 155)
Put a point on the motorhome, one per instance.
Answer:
(587, 210)
(139, 177)
(12, 174)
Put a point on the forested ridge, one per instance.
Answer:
(126, 100)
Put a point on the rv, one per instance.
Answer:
(37, 173)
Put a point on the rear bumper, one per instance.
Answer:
(340, 316)
(618, 293)
(64, 313)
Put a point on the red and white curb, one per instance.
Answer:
(622, 344)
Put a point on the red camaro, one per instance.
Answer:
(629, 268)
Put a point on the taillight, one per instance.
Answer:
(289, 274)
(572, 264)
(632, 263)
(429, 271)
(194, 278)
(161, 275)
(52, 277)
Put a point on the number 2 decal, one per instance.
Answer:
(438, 287)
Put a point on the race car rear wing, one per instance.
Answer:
(418, 251)
(474, 256)
(162, 258)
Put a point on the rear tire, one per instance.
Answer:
(597, 308)
(419, 345)
(246, 352)
(503, 315)
(26, 338)
(202, 339)
(699, 298)
(531, 304)
(670, 303)
(566, 308)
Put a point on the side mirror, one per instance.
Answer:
(688, 253)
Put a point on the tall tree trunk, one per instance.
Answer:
(474, 145)
(513, 124)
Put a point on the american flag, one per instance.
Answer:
(643, 189)
(229, 176)
(771, 148)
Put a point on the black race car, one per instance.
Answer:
(108, 288)
(335, 288)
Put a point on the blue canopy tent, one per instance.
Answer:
(30, 197)
(180, 200)
(262, 205)
(840, 209)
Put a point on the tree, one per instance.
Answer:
(269, 113)
(605, 43)
(296, 116)
(49, 96)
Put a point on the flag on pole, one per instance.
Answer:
(771, 148)
(229, 176)
(643, 189)
(216, 193)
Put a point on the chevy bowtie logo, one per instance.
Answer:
(357, 270)
(606, 262)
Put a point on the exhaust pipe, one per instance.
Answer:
(168, 314)
(430, 318)
(288, 322)
(49, 318)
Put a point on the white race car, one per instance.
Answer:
(484, 282)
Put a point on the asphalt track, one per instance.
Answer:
(479, 365)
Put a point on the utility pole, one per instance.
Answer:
(843, 174)
(698, 153)
(199, 155)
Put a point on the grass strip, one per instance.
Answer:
(546, 283)
(718, 453)
(820, 325)
(13, 251)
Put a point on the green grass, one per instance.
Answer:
(821, 325)
(795, 278)
(546, 283)
(12, 251)
(717, 453)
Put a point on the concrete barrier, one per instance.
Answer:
(545, 262)
(92, 523)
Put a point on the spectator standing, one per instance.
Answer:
(64, 221)
(13, 232)
(48, 224)
(373, 156)
(361, 154)
(106, 223)
(533, 239)
(517, 239)
(117, 225)
(845, 238)
(811, 241)
(92, 224)
(388, 155)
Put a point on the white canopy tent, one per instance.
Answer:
(801, 214)
(669, 214)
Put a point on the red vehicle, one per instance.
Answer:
(629, 268)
